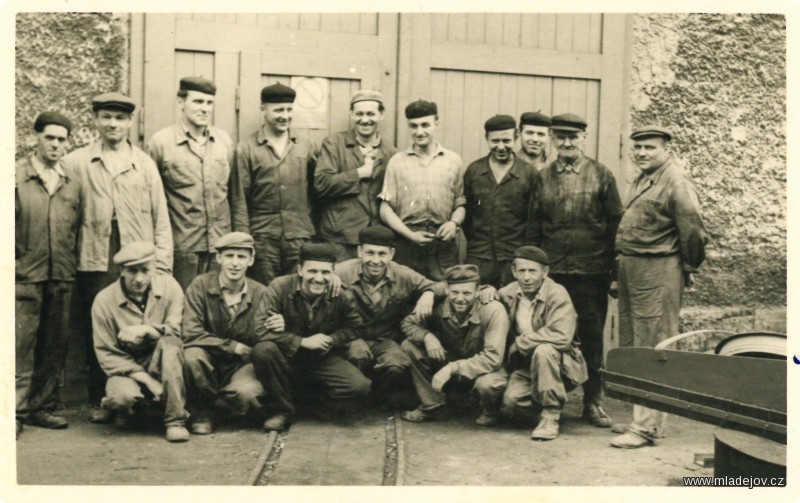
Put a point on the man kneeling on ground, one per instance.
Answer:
(463, 340)
(136, 323)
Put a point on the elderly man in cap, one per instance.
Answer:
(219, 333)
(349, 174)
(384, 293)
(123, 202)
(194, 159)
(137, 338)
(534, 138)
(275, 169)
(47, 212)
(574, 219)
(310, 350)
(423, 196)
(660, 243)
(464, 341)
(499, 189)
(543, 360)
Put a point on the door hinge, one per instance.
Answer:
(237, 100)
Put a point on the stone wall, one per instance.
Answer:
(720, 82)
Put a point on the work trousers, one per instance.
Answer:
(387, 365)
(42, 312)
(540, 384)
(496, 273)
(275, 257)
(589, 294)
(430, 260)
(489, 387)
(166, 365)
(650, 290)
(224, 381)
(331, 374)
(186, 266)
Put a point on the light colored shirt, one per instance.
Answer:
(232, 299)
(48, 174)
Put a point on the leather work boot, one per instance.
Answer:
(276, 422)
(99, 415)
(547, 429)
(44, 419)
(418, 415)
(487, 419)
(177, 433)
(203, 425)
(630, 441)
(596, 415)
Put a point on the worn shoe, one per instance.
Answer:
(596, 416)
(547, 429)
(122, 420)
(487, 419)
(276, 422)
(177, 433)
(99, 415)
(44, 419)
(19, 428)
(418, 415)
(203, 425)
(630, 441)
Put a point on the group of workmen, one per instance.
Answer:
(257, 278)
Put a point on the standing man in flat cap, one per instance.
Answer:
(534, 138)
(310, 351)
(543, 360)
(47, 212)
(219, 333)
(384, 293)
(463, 341)
(660, 244)
(194, 159)
(423, 196)
(137, 338)
(275, 168)
(574, 219)
(349, 174)
(499, 188)
(123, 202)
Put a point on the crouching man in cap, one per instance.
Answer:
(219, 332)
(543, 360)
(137, 326)
(317, 330)
(463, 340)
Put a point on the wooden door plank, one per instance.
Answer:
(368, 23)
(473, 91)
(310, 21)
(529, 31)
(249, 92)
(476, 28)
(593, 115)
(526, 91)
(457, 27)
(226, 77)
(616, 32)
(564, 34)
(268, 20)
(595, 33)
(508, 95)
(494, 29)
(159, 71)
(512, 24)
(136, 91)
(543, 95)
(329, 22)
(454, 106)
(439, 28)
(246, 18)
(349, 23)
(547, 31)
(388, 26)
(581, 31)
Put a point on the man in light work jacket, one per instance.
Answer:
(47, 212)
(574, 219)
(194, 159)
(499, 189)
(123, 202)
(275, 168)
(660, 243)
(349, 174)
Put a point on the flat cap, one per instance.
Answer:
(46, 118)
(651, 130)
(376, 235)
(532, 253)
(535, 119)
(136, 252)
(421, 108)
(113, 101)
(366, 95)
(278, 93)
(198, 84)
(318, 251)
(568, 122)
(465, 273)
(235, 240)
(499, 123)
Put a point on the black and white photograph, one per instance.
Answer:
(489, 252)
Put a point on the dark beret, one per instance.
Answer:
(46, 118)
(650, 131)
(235, 240)
(535, 119)
(136, 252)
(113, 101)
(421, 108)
(198, 84)
(376, 235)
(465, 273)
(532, 253)
(277, 93)
(319, 252)
(568, 122)
(500, 123)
